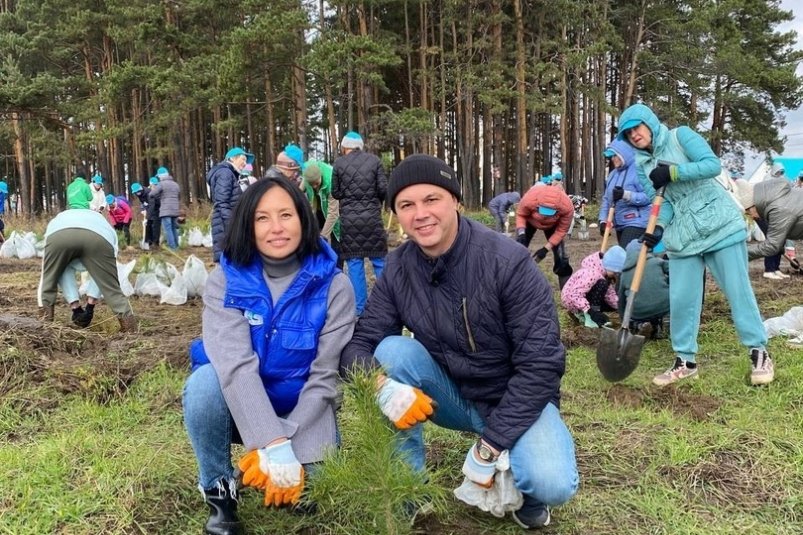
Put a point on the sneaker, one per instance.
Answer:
(532, 514)
(782, 275)
(680, 370)
(762, 371)
(772, 275)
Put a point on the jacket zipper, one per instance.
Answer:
(471, 344)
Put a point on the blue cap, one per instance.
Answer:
(154, 180)
(609, 153)
(110, 199)
(614, 259)
(295, 153)
(545, 210)
(546, 179)
(557, 176)
(352, 140)
(237, 151)
(627, 125)
(97, 179)
(136, 187)
(162, 171)
(3, 187)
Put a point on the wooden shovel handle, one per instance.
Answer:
(642, 256)
(608, 225)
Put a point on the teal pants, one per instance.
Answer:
(729, 268)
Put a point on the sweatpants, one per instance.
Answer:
(95, 253)
(729, 269)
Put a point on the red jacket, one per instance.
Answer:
(549, 197)
(120, 212)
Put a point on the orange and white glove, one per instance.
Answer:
(403, 404)
(276, 470)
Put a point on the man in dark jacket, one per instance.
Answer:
(224, 188)
(359, 183)
(499, 207)
(487, 347)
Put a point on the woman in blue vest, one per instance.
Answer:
(702, 227)
(277, 314)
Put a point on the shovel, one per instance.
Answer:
(619, 351)
(607, 234)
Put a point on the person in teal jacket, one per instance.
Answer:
(701, 226)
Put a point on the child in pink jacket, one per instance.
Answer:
(591, 290)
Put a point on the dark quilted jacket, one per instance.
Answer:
(224, 187)
(359, 182)
(507, 357)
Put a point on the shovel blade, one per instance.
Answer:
(618, 353)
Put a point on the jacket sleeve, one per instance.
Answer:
(526, 207)
(381, 182)
(703, 163)
(227, 343)
(320, 390)
(564, 222)
(537, 357)
(780, 223)
(604, 203)
(634, 192)
(611, 298)
(332, 215)
(337, 187)
(379, 320)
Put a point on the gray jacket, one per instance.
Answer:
(227, 341)
(781, 206)
(167, 191)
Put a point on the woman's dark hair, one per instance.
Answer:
(240, 245)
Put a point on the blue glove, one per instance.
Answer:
(652, 239)
(477, 470)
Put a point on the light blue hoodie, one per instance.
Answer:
(633, 209)
(697, 215)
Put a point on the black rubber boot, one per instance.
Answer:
(223, 519)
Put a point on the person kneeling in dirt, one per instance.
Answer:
(86, 236)
(591, 290)
(276, 317)
(652, 301)
(487, 347)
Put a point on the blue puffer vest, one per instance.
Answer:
(285, 338)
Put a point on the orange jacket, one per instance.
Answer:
(550, 197)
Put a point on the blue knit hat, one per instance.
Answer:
(546, 179)
(162, 172)
(136, 187)
(295, 153)
(110, 199)
(97, 179)
(614, 259)
(352, 140)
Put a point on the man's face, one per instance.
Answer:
(428, 215)
(640, 136)
(239, 161)
(288, 171)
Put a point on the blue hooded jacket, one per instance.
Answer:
(633, 209)
(698, 214)
(284, 337)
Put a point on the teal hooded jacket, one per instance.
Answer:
(698, 214)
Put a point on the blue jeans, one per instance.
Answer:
(170, 225)
(209, 425)
(729, 268)
(542, 460)
(356, 274)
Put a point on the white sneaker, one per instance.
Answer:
(782, 275)
(772, 275)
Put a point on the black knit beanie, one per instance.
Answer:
(421, 169)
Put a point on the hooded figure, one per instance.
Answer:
(652, 303)
(624, 192)
(702, 227)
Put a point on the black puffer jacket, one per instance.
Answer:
(512, 362)
(360, 184)
(224, 188)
